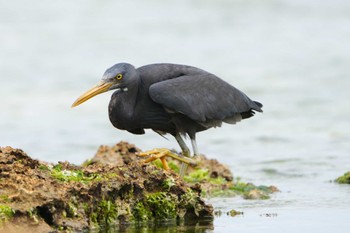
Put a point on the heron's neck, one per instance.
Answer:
(122, 105)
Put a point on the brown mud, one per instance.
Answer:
(113, 188)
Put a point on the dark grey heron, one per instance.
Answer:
(169, 98)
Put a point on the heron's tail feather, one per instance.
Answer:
(260, 105)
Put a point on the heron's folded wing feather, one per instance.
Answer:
(201, 97)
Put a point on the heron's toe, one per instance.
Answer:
(161, 153)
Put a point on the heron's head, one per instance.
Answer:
(118, 77)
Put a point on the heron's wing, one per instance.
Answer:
(202, 97)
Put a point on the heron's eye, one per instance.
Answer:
(119, 76)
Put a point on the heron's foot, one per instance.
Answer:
(161, 153)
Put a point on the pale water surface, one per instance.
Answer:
(291, 55)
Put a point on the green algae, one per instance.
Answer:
(107, 212)
(4, 198)
(202, 174)
(44, 167)
(162, 205)
(189, 200)
(197, 175)
(251, 191)
(6, 213)
(71, 210)
(168, 183)
(153, 207)
(65, 175)
(33, 215)
(220, 187)
(344, 179)
(141, 212)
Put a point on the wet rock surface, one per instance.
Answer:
(114, 187)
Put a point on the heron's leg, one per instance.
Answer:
(183, 169)
(194, 145)
(185, 151)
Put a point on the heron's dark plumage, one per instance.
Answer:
(174, 99)
(169, 98)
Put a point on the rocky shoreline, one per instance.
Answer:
(113, 188)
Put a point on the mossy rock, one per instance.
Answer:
(113, 188)
(344, 179)
(75, 198)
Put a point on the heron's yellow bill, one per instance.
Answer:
(98, 89)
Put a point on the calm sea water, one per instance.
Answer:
(291, 55)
